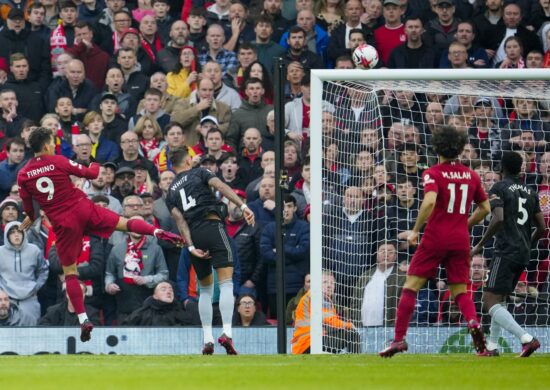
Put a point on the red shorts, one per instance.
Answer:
(85, 218)
(425, 263)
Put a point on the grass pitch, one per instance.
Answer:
(335, 372)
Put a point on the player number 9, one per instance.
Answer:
(45, 185)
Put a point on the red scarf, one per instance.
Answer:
(148, 49)
(546, 63)
(133, 261)
(148, 146)
(58, 45)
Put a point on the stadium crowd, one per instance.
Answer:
(123, 82)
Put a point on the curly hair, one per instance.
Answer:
(511, 163)
(449, 142)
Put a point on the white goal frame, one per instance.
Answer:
(318, 76)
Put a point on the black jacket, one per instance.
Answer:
(247, 240)
(84, 95)
(158, 313)
(30, 97)
(58, 315)
(399, 58)
(337, 46)
(35, 49)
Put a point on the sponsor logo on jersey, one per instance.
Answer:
(428, 179)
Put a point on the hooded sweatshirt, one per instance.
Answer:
(23, 271)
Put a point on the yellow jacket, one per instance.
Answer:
(177, 84)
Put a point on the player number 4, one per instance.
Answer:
(452, 197)
(187, 201)
(45, 185)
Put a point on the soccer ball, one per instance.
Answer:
(365, 56)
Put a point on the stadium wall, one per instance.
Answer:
(187, 341)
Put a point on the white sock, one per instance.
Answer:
(501, 316)
(494, 336)
(227, 305)
(526, 338)
(205, 312)
(82, 317)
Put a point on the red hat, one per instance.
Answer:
(191, 48)
(523, 277)
(130, 30)
(4, 65)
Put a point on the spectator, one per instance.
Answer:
(160, 309)
(130, 155)
(316, 39)
(227, 59)
(302, 188)
(477, 56)
(37, 14)
(10, 315)
(90, 10)
(272, 9)
(151, 107)
(114, 125)
(134, 268)
(184, 75)
(25, 90)
(441, 30)
(114, 81)
(296, 254)
(103, 150)
(247, 242)
(213, 71)
(124, 183)
(161, 9)
(241, 31)
(250, 157)
(291, 159)
(488, 23)
(11, 123)
(9, 168)
(82, 148)
(215, 143)
(95, 60)
(175, 138)
(150, 43)
(197, 31)
(329, 15)
(268, 142)
(246, 56)
(526, 116)
(513, 49)
(135, 82)
(377, 290)
(15, 38)
(114, 20)
(484, 133)
(23, 268)
(511, 18)
(246, 313)
(392, 33)
(294, 74)
(535, 59)
(403, 213)
(200, 104)
(339, 39)
(76, 87)
(150, 136)
(268, 167)
(297, 113)
(52, 13)
(252, 113)
(98, 186)
(372, 15)
(218, 13)
(266, 40)
(143, 185)
(9, 212)
(458, 56)
(404, 108)
(293, 303)
(338, 334)
(169, 56)
(415, 53)
(299, 51)
(229, 172)
(264, 206)
(63, 313)
(68, 17)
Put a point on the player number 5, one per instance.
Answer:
(522, 211)
(45, 185)
(187, 201)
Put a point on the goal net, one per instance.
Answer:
(367, 160)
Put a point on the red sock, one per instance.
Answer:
(466, 306)
(140, 226)
(405, 310)
(74, 291)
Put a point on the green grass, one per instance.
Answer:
(335, 372)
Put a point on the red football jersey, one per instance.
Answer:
(46, 180)
(456, 186)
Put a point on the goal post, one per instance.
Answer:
(380, 89)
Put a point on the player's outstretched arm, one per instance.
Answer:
(226, 191)
(540, 227)
(426, 209)
(482, 210)
(494, 225)
(77, 169)
(184, 230)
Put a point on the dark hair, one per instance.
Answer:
(82, 24)
(448, 142)
(471, 23)
(17, 57)
(288, 198)
(247, 46)
(153, 91)
(414, 17)
(356, 31)
(252, 80)
(511, 163)
(240, 297)
(226, 156)
(178, 155)
(409, 146)
(178, 66)
(160, 1)
(14, 141)
(263, 18)
(100, 198)
(170, 125)
(67, 4)
(39, 137)
(294, 30)
(266, 80)
(197, 11)
(35, 5)
(214, 130)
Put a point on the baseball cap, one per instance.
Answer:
(140, 164)
(110, 164)
(129, 30)
(209, 118)
(108, 95)
(123, 170)
(146, 195)
(394, 2)
(208, 158)
(449, 2)
(483, 100)
(8, 202)
(16, 13)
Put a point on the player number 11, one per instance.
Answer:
(452, 197)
